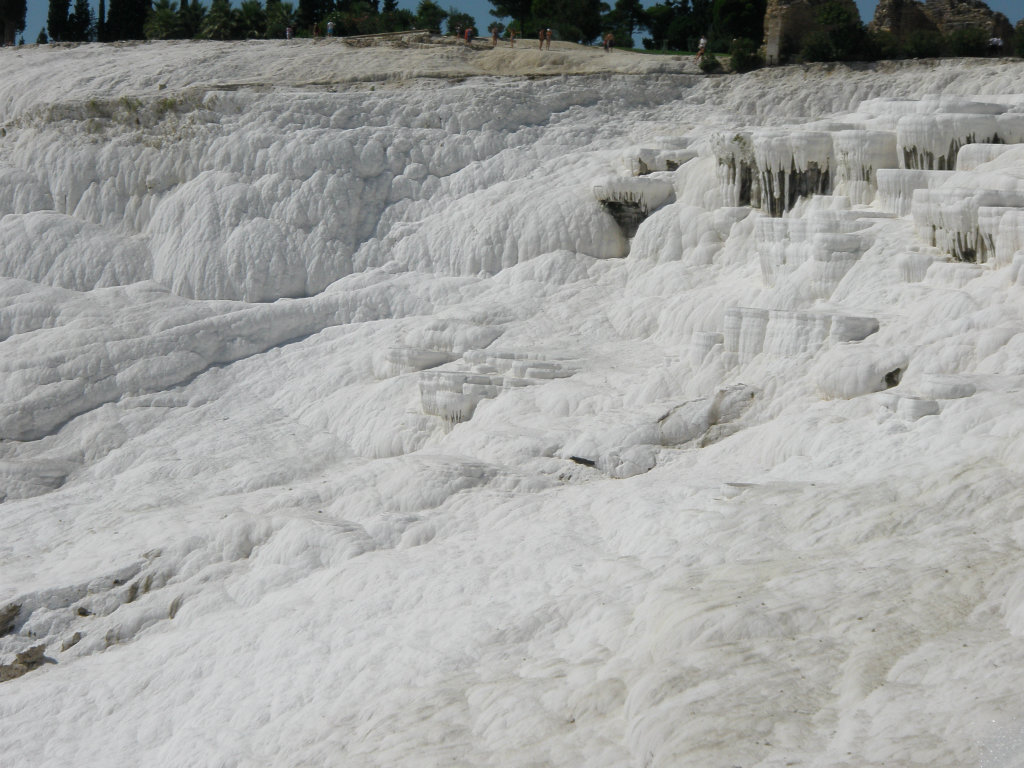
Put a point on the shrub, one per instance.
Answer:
(709, 63)
(885, 45)
(924, 45)
(969, 41)
(744, 55)
(817, 47)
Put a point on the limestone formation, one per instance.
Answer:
(902, 18)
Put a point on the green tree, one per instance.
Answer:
(659, 19)
(355, 17)
(690, 22)
(395, 19)
(101, 22)
(517, 10)
(430, 15)
(578, 21)
(190, 18)
(743, 55)
(316, 11)
(842, 37)
(163, 21)
(627, 17)
(1018, 38)
(42, 39)
(81, 24)
(219, 23)
(738, 18)
(968, 41)
(252, 20)
(126, 19)
(14, 10)
(280, 15)
(459, 20)
(57, 19)
(924, 44)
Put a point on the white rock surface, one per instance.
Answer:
(340, 425)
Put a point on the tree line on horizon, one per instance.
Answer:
(733, 26)
(676, 24)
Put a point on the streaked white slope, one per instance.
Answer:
(345, 426)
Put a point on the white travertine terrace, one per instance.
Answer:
(931, 142)
(947, 218)
(792, 164)
(342, 424)
(896, 187)
(859, 155)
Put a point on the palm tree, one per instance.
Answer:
(163, 21)
(220, 22)
(190, 18)
(252, 20)
(279, 16)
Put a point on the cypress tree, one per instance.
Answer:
(81, 25)
(13, 10)
(101, 22)
(57, 19)
(126, 19)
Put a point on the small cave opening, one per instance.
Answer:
(892, 378)
(627, 214)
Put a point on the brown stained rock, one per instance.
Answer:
(8, 615)
(24, 662)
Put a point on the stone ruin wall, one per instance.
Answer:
(787, 22)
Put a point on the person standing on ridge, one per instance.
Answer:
(700, 48)
(330, 29)
(494, 37)
(511, 37)
(547, 38)
(540, 38)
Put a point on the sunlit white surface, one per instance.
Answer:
(342, 425)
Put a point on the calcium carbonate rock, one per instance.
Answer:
(913, 408)
(1001, 234)
(743, 335)
(631, 200)
(850, 370)
(971, 156)
(931, 142)
(701, 345)
(896, 187)
(667, 155)
(947, 218)
(453, 394)
(944, 386)
(792, 164)
(738, 175)
(818, 248)
(859, 154)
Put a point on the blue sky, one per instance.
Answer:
(481, 11)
